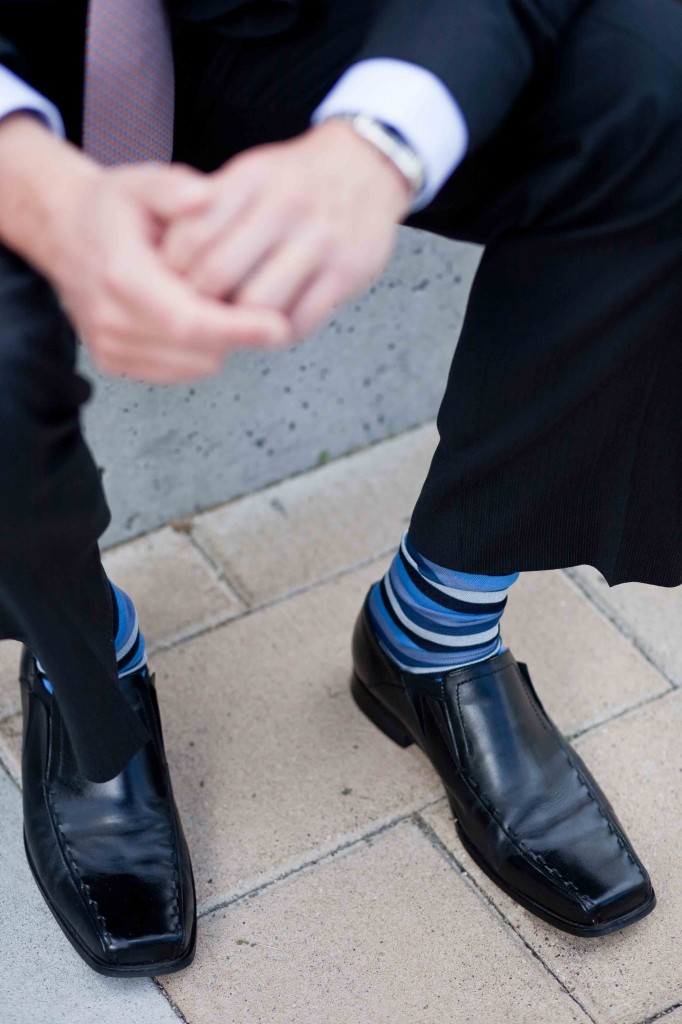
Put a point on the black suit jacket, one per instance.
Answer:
(484, 50)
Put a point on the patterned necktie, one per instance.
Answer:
(129, 82)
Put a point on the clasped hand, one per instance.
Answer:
(182, 267)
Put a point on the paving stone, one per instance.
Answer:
(272, 760)
(10, 653)
(308, 527)
(636, 973)
(583, 668)
(173, 588)
(651, 614)
(386, 932)
(42, 979)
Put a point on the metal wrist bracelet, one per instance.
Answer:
(391, 144)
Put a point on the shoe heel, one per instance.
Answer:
(378, 714)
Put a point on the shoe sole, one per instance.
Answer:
(395, 730)
(100, 966)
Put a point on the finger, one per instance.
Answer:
(221, 268)
(169, 191)
(177, 317)
(316, 304)
(125, 357)
(187, 238)
(279, 279)
(153, 372)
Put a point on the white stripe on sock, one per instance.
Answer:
(438, 638)
(471, 596)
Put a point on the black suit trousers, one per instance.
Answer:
(560, 428)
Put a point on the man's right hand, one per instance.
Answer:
(94, 234)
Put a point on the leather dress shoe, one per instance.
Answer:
(110, 858)
(527, 809)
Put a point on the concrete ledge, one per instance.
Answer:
(377, 369)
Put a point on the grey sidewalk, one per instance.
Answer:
(331, 882)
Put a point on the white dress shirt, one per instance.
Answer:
(409, 98)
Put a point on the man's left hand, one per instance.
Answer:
(297, 226)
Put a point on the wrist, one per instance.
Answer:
(392, 183)
(41, 176)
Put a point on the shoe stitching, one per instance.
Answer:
(583, 899)
(64, 844)
(583, 782)
(619, 839)
(65, 847)
(564, 883)
(495, 814)
(83, 887)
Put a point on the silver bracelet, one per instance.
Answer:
(391, 144)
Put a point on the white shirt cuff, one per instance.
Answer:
(16, 94)
(412, 100)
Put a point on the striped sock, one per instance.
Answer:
(431, 619)
(128, 640)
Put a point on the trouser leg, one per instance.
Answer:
(54, 594)
(560, 424)
(566, 385)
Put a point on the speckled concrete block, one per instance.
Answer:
(386, 932)
(273, 763)
(42, 979)
(377, 368)
(583, 668)
(636, 973)
(174, 589)
(307, 528)
(651, 614)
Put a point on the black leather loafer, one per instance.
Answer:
(109, 858)
(526, 807)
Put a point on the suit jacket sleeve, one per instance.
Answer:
(10, 56)
(485, 51)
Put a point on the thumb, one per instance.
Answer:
(170, 191)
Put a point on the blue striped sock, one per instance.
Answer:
(128, 640)
(431, 619)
